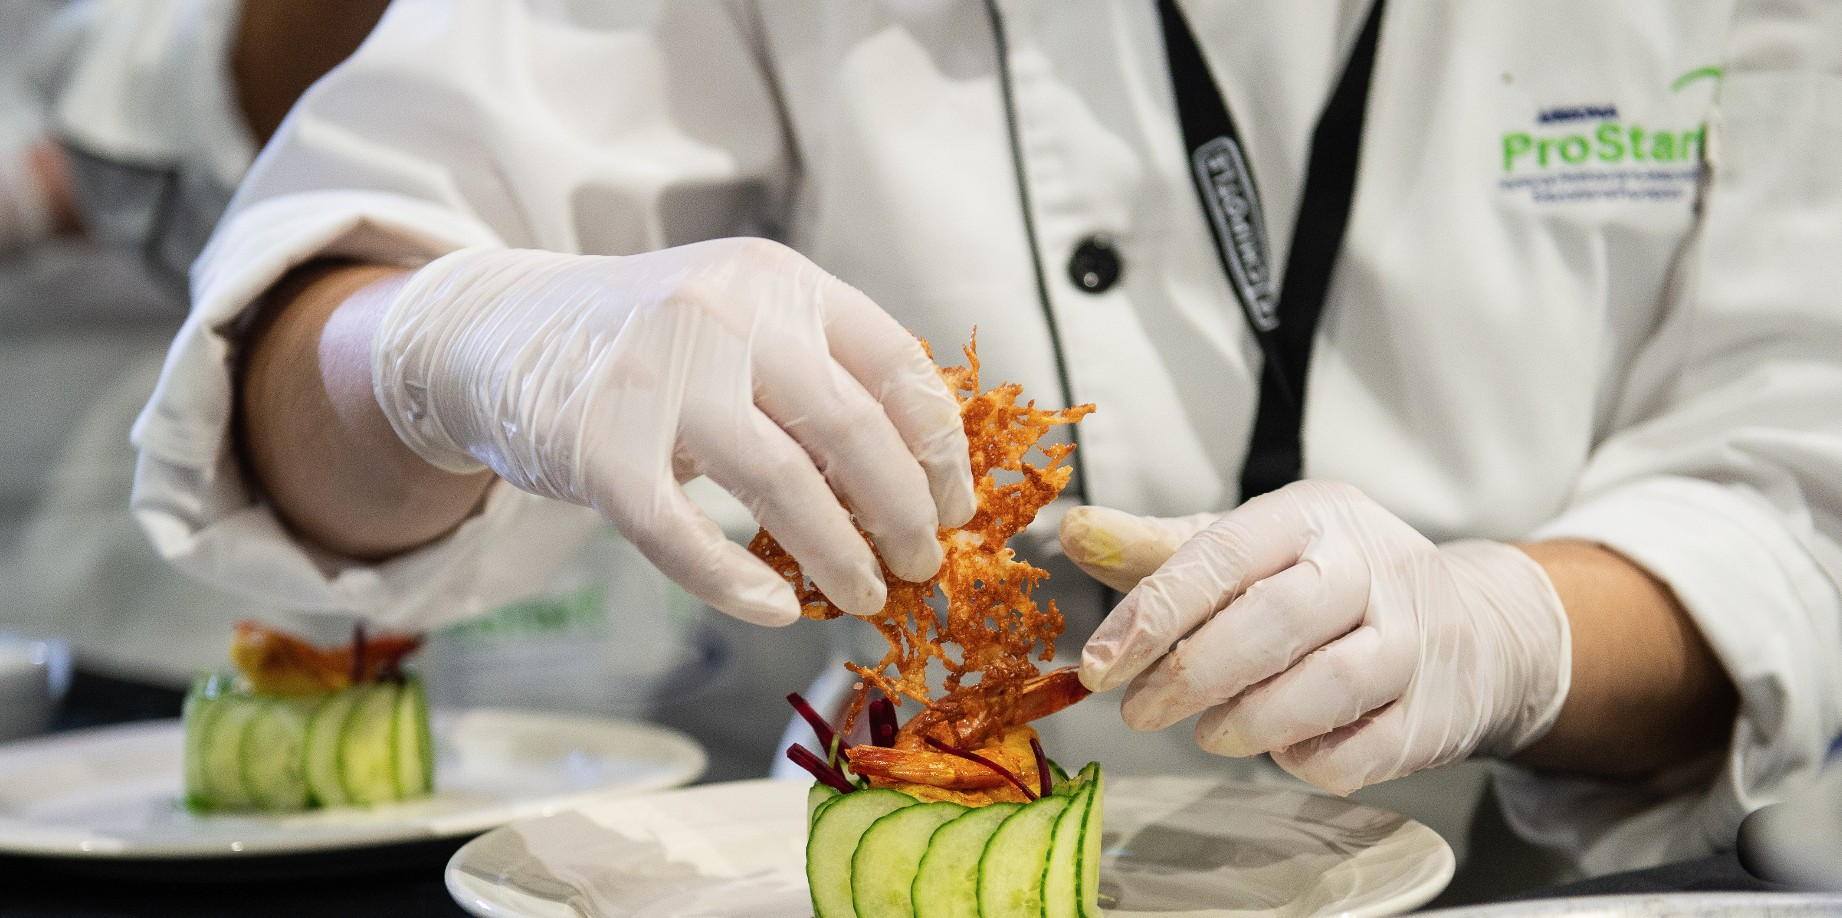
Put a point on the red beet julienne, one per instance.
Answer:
(971, 756)
(883, 724)
(821, 771)
(829, 740)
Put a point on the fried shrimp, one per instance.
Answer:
(990, 628)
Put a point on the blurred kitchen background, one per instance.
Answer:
(122, 138)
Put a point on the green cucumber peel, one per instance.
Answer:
(1011, 867)
(367, 766)
(1087, 880)
(889, 856)
(886, 853)
(946, 883)
(837, 828)
(1061, 870)
(273, 766)
(817, 796)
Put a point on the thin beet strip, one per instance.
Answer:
(820, 727)
(1005, 773)
(1043, 777)
(824, 773)
(882, 722)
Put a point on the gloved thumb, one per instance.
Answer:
(1119, 549)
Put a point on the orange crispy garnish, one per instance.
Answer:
(990, 616)
(277, 662)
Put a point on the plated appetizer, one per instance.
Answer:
(298, 726)
(958, 811)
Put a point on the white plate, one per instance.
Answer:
(112, 793)
(1660, 905)
(1173, 845)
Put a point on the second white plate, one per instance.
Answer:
(1184, 846)
(113, 793)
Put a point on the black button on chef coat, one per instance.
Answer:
(1095, 265)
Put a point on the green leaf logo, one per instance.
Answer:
(1699, 73)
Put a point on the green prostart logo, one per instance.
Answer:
(1610, 142)
(1590, 152)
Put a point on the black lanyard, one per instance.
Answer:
(1284, 319)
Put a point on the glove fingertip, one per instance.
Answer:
(1100, 671)
(772, 606)
(869, 599)
(918, 563)
(955, 501)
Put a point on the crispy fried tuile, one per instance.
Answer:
(277, 662)
(989, 614)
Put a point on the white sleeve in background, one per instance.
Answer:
(25, 209)
(1724, 475)
(143, 99)
(455, 125)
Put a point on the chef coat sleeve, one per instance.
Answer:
(1723, 475)
(602, 128)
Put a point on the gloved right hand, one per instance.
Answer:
(608, 381)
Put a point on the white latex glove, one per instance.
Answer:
(1313, 624)
(607, 381)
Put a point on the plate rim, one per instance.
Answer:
(691, 760)
(1439, 868)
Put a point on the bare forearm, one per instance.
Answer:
(1647, 691)
(312, 434)
(282, 46)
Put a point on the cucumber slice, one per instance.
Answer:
(274, 770)
(833, 840)
(224, 752)
(411, 752)
(1059, 778)
(201, 706)
(1011, 867)
(428, 739)
(1061, 882)
(366, 770)
(946, 885)
(1087, 890)
(815, 798)
(324, 732)
(889, 855)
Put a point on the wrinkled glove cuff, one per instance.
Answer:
(1534, 640)
(406, 357)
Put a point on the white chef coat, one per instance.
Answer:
(1546, 320)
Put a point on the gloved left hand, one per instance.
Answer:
(1313, 624)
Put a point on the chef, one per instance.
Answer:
(1500, 364)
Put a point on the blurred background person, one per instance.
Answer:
(132, 106)
(132, 122)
